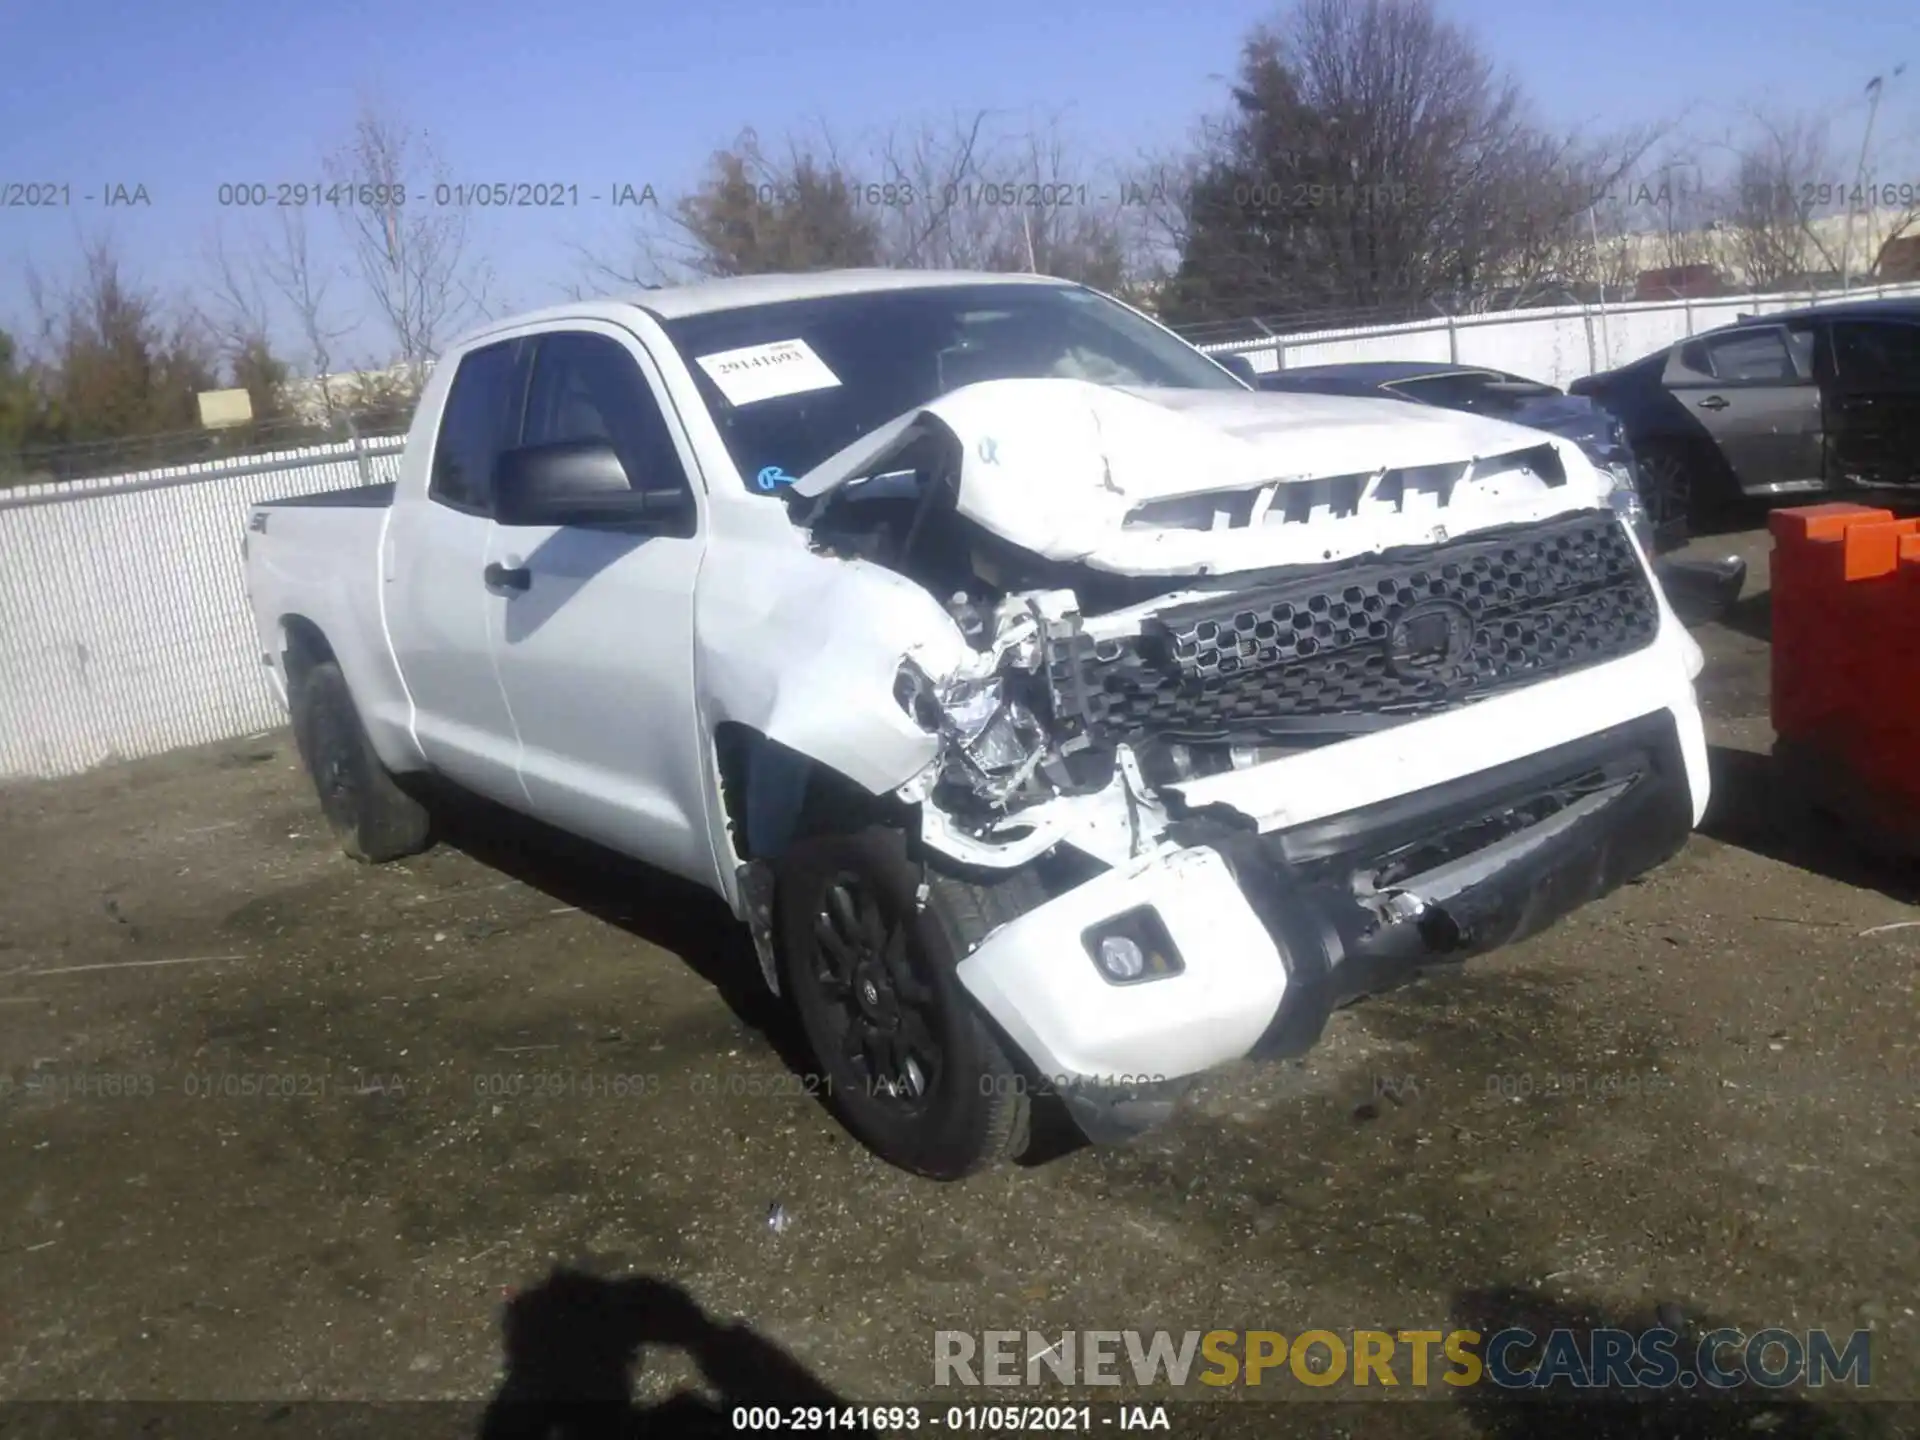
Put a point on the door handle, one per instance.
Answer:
(1713, 402)
(499, 577)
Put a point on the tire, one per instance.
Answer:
(1687, 483)
(374, 819)
(911, 1067)
(1666, 488)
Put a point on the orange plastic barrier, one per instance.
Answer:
(1845, 687)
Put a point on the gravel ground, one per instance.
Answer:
(274, 1126)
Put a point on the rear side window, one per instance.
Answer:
(477, 424)
(588, 387)
(1752, 355)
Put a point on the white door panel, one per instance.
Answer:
(596, 661)
(443, 644)
(438, 607)
(595, 653)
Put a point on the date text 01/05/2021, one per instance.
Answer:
(541, 194)
(960, 1419)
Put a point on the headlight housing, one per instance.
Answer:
(993, 741)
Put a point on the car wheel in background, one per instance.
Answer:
(1666, 487)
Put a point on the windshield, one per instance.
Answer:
(790, 384)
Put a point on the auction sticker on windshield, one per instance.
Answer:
(764, 372)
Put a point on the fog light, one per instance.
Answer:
(1133, 948)
(1121, 957)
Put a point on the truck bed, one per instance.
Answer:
(358, 497)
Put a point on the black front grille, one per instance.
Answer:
(1354, 645)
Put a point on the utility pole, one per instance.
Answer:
(1600, 279)
(1874, 87)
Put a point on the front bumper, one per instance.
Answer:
(1276, 929)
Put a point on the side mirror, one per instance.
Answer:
(1241, 366)
(579, 482)
(1700, 590)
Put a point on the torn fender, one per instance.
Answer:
(807, 654)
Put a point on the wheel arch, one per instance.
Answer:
(772, 795)
(769, 796)
(303, 645)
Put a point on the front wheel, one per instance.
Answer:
(1666, 489)
(1687, 488)
(913, 1070)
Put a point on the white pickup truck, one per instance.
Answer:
(1061, 714)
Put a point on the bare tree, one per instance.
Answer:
(1050, 211)
(235, 311)
(1892, 200)
(306, 284)
(410, 254)
(969, 192)
(1779, 188)
(1156, 196)
(933, 168)
(800, 207)
(234, 305)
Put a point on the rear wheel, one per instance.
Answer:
(374, 819)
(911, 1066)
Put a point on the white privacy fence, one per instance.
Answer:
(1557, 345)
(124, 628)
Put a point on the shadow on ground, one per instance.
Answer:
(576, 1343)
(681, 918)
(1751, 616)
(677, 916)
(1689, 1409)
(1748, 810)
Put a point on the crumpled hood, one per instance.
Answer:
(1061, 467)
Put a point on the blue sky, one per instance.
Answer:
(182, 95)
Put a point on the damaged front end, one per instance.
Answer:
(1154, 733)
(1092, 694)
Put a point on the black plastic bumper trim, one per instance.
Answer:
(1336, 948)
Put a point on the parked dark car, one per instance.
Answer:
(1698, 589)
(1481, 391)
(1819, 401)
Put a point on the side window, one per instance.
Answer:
(1877, 353)
(588, 387)
(1753, 355)
(1800, 340)
(475, 427)
(1692, 359)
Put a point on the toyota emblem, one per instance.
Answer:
(1429, 640)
